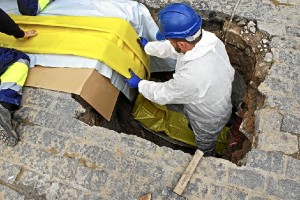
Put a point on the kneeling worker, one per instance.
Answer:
(203, 75)
(13, 73)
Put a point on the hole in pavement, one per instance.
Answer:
(246, 47)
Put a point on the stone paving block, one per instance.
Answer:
(278, 141)
(91, 152)
(47, 120)
(267, 119)
(286, 71)
(30, 133)
(293, 169)
(285, 43)
(134, 146)
(283, 104)
(267, 161)
(273, 28)
(126, 166)
(81, 174)
(8, 172)
(72, 126)
(246, 178)
(291, 124)
(212, 169)
(170, 158)
(29, 156)
(198, 189)
(68, 192)
(258, 198)
(40, 98)
(40, 161)
(34, 182)
(293, 30)
(103, 159)
(289, 57)
(74, 148)
(53, 141)
(119, 188)
(283, 188)
(139, 187)
(22, 153)
(101, 137)
(7, 193)
(219, 192)
(157, 172)
(296, 90)
(96, 180)
(63, 168)
(69, 107)
(278, 85)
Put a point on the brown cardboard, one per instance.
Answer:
(88, 83)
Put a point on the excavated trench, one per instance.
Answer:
(247, 48)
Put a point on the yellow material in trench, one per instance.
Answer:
(159, 118)
(109, 40)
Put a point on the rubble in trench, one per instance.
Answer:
(249, 53)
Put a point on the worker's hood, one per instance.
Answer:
(207, 43)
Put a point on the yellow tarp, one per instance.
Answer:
(159, 119)
(110, 40)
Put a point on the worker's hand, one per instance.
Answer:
(142, 42)
(133, 82)
(29, 34)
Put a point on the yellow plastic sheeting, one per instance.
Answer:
(222, 141)
(109, 40)
(159, 119)
(16, 73)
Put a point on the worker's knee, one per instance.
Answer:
(208, 148)
(206, 142)
(32, 7)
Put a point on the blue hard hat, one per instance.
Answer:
(177, 20)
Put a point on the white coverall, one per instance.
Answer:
(202, 82)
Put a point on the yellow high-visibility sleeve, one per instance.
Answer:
(43, 3)
(16, 73)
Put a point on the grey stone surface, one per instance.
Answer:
(293, 169)
(268, 161)
(60, 157)
(247, 178)
(291, 124)
(283, 188)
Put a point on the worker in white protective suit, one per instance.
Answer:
(203, 75)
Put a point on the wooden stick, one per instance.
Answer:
(186, 176)
(146, 197)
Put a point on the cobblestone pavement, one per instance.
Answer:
(59, 157)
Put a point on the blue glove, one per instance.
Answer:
(133, 82)
(142, 42)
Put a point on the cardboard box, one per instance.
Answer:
(87, 83)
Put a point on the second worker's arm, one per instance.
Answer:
(9, 27)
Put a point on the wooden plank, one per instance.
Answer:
(146, 197)
(186, 176)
